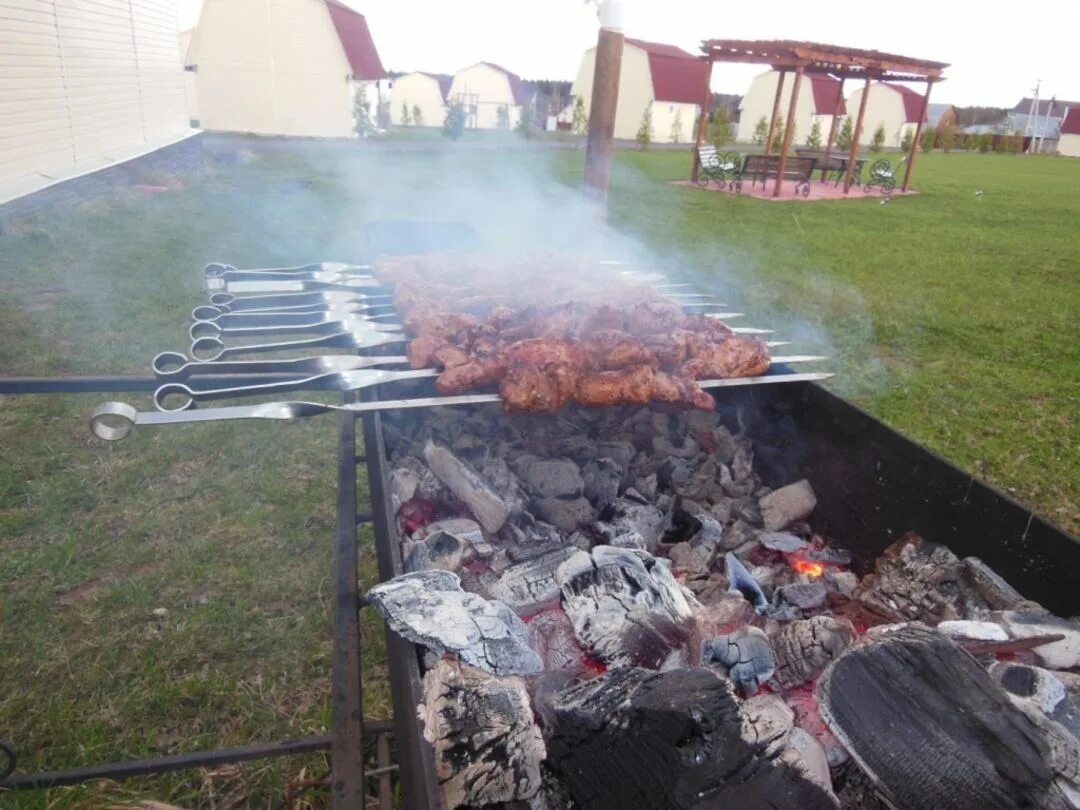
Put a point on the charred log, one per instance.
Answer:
(804, 648)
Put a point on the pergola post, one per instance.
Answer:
(855, 136)
(703, 120)
(835, 120)
(789, 132)
(918, 135)
(775, 112)
(605, 100)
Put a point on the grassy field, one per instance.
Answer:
(950, 316)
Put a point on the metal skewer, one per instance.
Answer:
(213, 282)
(207, 313)
(218, 269)
(257, 303)
(114, 420)
(328, 324)
(213, 349)
(293, 286)
(173, 366)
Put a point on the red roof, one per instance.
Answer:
(1071, 124)
(356, 39)
(676, 75)
(517, 87)
(826, 94)
(912, 102)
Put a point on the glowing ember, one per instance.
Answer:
(811, 568)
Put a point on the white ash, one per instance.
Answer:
(529, 587)
(745, 656)
(484, 503)
(984, 631)
(782, 507)
(1064, 654)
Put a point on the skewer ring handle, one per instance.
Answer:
(168, 362)
(216, 269)
(222, 299)
(207, 312)
(112, 421)
(210, 346)
(203, 328)
(170, 392)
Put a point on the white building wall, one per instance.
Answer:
(1069, 145)
(190, 90)
(884, 107)
(664, 115)
(483, 89)
(758, 100)
(84, 85)
(273, 67)
(418, 90)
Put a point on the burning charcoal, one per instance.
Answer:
(626, 607)
(440, 550)
(808, 717)
(742, 462)
(552, 638)
(768, 721)
(696, 556)
(745, 656)
(804, 648)
(1038, 693)
(698, 421)
(663, 446)
(550, 477)
(804, 595)
(736, 535)
(676, 473)
(844, 582)
(782, 541)
(701, 485)
(431, 609)
(740, 581)
(714, 591)
(488, 748)
(483, 502)
(529, 587)
(404, 481)
(565, 513)
(920, 581)
(603, 479)
(529, 539)
(639, 740)
(784, 506)
(622, 453)
(1063, 654)
(983, 631)
(724, 444)
(964, 744)
(806, 755)
(468, 530)
(647, 486)
(498, 476)
(630, 515)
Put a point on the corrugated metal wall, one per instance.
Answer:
(84, 83)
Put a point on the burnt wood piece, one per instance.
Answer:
(625, 605)
(488, 747)
(954, 741)
(635, 739)
(529, 587)
(485, 504)
(782, 507)
(745, 656)
(430, 608)
(1062, 653)
(804, 648)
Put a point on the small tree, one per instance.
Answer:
(813, 140)
(907, 139)
(580, 123)
(720, 128)
(1013, 144)
(676, 128)
(878, 141)
(846, 135)
(417, 115)
(644, 133)
(778, 135)
(929, 138)
(947, 136)
(761, 131)
(362, 123)
(502, 117)
(405, 120)
(986, 142)
(454, 123)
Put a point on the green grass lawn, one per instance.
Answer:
(951, 318)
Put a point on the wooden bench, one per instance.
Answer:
(834, 162)
(766, 167)
(718, 166)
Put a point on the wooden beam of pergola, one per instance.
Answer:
(800, 58)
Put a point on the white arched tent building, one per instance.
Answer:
(891, 106)
(663, 76)
(819, 104)
(425, 92)
(483, 89)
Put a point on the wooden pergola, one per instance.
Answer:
(801, 58)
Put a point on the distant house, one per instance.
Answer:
(288, 67)
(485, 90)
(819, 100)
(425, 92)
(1069, 144)
(893, 107)
(85, 88)
(941, 116)
(664, 79)
(1041, 120)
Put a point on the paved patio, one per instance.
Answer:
(818, 191)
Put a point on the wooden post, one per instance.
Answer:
(605, 100)
(703, 120)
(775, 112)
(789, 131)
(835, 120)
(918, 135)
(855, 137)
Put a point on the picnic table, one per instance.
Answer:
(829, 162)
(766, 167)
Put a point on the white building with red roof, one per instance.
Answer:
(491, 95)
(664, 79)
(1069, 145)
(893, 107)
(819, 97)
(419, 92)
(281, 67)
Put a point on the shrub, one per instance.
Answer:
(778, 135)
(761, 131)
(676, 128)
(405, 120)
(502, 117)
(846, 134)
(720, 128)
(929, 138)
(417, 115)
(947, 138)
(362, 123)
(907, 140)
(986, 142)
(454, 123)
(580, 123)
(644, 133)
(877, 142)
(813, 140)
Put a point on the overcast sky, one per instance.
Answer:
(996, 52)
